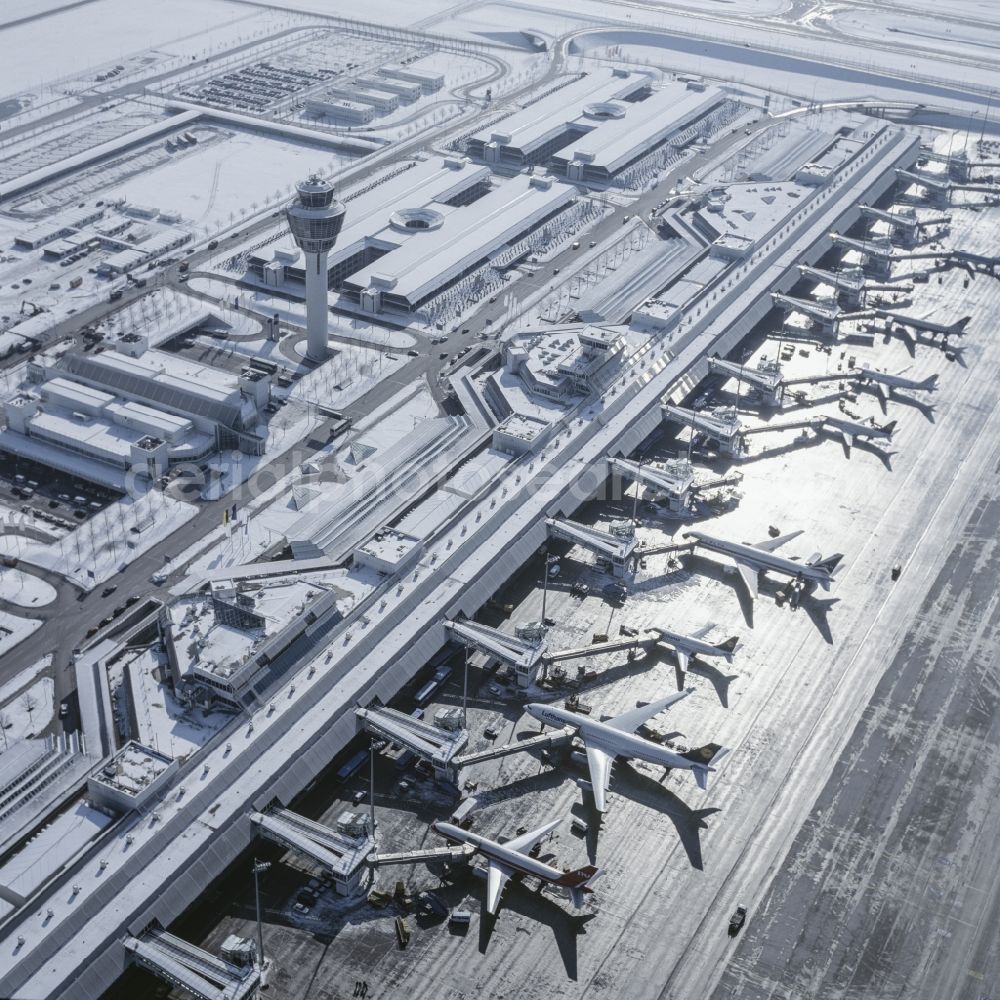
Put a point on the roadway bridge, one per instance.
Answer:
(183, 965)
(435, 745)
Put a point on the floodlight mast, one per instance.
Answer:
(315, 220)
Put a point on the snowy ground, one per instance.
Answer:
(29, 711)
(13, 629)
(105, 542)
(24, 589)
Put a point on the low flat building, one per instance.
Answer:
(430, 80)
(422, 229)
(131, 778)
(542, 127)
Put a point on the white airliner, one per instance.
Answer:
(886, 382)
(605, 741)
(752, 560)
(851, 429)
(513, 860)
(686, 646)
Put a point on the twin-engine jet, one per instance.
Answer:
(753, 559)
(513, 859)
(606, 741)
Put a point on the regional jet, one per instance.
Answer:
(851, 429)
(513, 859)
(606, 741)
(686, 646)
(752, 560)
(886, 383)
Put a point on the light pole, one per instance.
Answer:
(545, 584)
(371, 784)
(259, 867)
(465, 691)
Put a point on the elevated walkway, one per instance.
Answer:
(848, 282)
(904, 226)
(540, 742)
(617, 550)
(430, 854)
(765, 378)
(674, 479)
(722, 426)
(596, 648)
(878, 252)
(524, 656)
(342, 856)
(181, 964)
(438, 746)
(826, 315)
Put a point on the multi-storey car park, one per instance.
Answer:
(660, 339)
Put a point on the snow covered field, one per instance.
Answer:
(13, 628)
(74, 40)
(24, 589)
(26, 712)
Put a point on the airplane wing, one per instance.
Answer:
(599, 764)
(750, 576)
(700, 633)
(682, 660)
(883, 396)
(629, 722)
(848, 440)
(496, 878)
(770, 544)
(526, 841)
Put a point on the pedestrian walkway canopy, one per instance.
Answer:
(433, 744)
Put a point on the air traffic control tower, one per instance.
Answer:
(315, 221)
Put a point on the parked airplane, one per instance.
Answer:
(606, 741)
(752, 560)
(686, 646)
(513, 859)
(850, 429)
(920, 323)
(886, 383)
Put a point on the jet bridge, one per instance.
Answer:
(878, 252)
(674, 479)
(618, 551)
(938, 189)
(521, 654)
(849, 282)
(438, 746)
(827, 316)
(904, 224)
(765, 378)
(341, 854)
(543, 741)
(183, 965)
(721, 425)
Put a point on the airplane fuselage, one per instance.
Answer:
(761, 559)
(612, 741)
(690, 645)
(898, 381)
(515, 860)
(856, 429)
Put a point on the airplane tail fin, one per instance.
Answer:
(830, 565)
(889, 427)
(960, 326)
(579, 881)
(704, 759)
(929, 384)
(728, 647)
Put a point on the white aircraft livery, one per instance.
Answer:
(753, 559)
(606, 741)
(512, 860)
